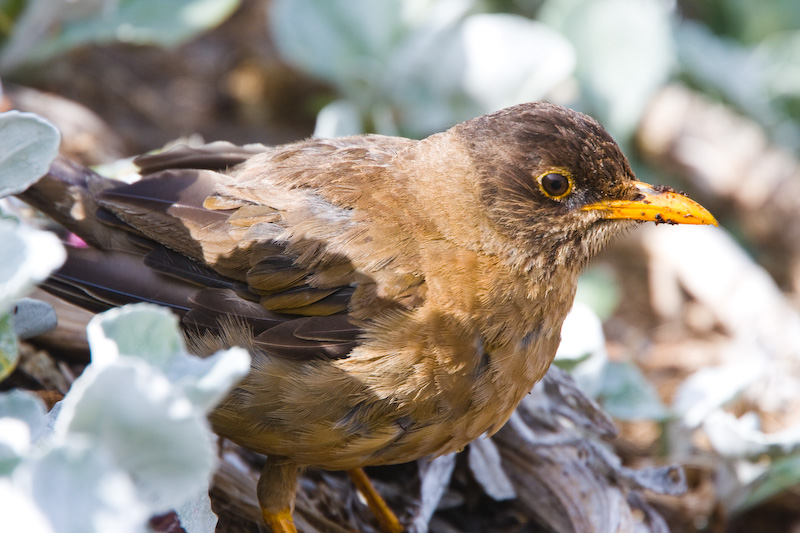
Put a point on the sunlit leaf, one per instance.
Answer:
(708, 389)
(582, 351)
(338, 119)
(79, 488)
(130, 439)
(497, 75)
(29, 256)
(151, 333)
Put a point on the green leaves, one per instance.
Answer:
(30, 144)
(130, 438)
(412, 67)
(29, 256)
(624, 52)
(46, 28)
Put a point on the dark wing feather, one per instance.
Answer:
(215, 267)
(100, 280)
(184, 189)
(219, 156)
(210, 307)
(292, 338)
(327, 328)
(180, 266)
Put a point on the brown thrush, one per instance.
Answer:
(399, 297)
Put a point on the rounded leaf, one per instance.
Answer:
(29, 144)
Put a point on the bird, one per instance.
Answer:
(399, 297)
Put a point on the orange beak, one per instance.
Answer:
(656, 206)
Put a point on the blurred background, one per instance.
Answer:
(698, 356)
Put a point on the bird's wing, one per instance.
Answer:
(279, 242)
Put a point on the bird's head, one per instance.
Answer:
(555, 183)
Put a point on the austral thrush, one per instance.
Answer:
(399, 297)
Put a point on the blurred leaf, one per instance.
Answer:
(624, 51)
(397, 62)
(783, 62)
(144, 332)
(599, 289)
(19, 508)
(735, 437)
(21, 423)
(414, 68)
(338, 119)
(781, 475)
(15, 441)
(582, 351)
(747, 21)
(29, 256)
(33, 317)
(149, 431)
(760, 82)
(9, 11)
(498, 75)
(780, 54)
(78, 486)
(196, 515)
(708, 389)
(47, 29)
(144, 400)
(130, 439)
(151, 333)
(8, 346)
(337, 41)
(26, 407)
(721, 66)
(30, 144)
(628, 395)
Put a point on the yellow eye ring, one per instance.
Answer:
(555, 183)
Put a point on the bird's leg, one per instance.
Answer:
(276, 490)
(386, 518)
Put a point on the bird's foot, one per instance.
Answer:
(386, 518)
(280, 522)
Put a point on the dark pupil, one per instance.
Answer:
(555, 184)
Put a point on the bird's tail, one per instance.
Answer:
(119, 265)
(159, 256)
(67, 194)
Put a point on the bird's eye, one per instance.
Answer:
(555, 184)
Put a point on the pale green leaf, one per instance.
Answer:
(49, 28)
(8, 346)
(29, 256)
(129, 409)
(628, 395)
(79, 488)
(151, 333)
(625, 52)
(29, 144)
(781, 475)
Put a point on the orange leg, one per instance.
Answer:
(386, 518)
(280, 522)
(276, 492)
